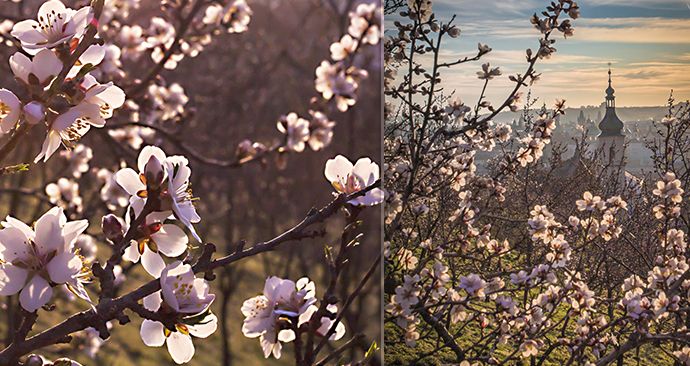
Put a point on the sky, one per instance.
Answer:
(647, 43)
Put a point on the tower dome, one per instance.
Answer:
(611, 125)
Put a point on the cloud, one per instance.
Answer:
(650, 4)
(643, 74)
(634, 30)
(487, 8)
(580, 84)
(620, 30)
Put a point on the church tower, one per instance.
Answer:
(611, 140)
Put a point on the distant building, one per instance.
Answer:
(621, 154)
(611, 140)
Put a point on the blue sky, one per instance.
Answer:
(646, 41)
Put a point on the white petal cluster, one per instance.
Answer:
(155, 237)
(34, 260)
(348, 179)
(187, 297)
(284, 306)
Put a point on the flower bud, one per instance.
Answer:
(34, 112)
(34, 360)
(244, 149)
(154, 174)
(112, 227)
(454, 32)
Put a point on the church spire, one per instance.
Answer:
(610, 98)
(609, 75)
(611, 125)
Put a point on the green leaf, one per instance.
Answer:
(371, 351)
(84, 70)
(12, 169)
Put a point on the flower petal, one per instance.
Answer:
(152, 262)
(12, 103)
(18, 224)
(46, 65)
(337, 168)
(146, 153)
(51, 6)
(132, 253)
(26, 31)
(49, 232)
(129, 180)
(93, 55)
(171, 240)
(371, 198)
(35, 294)
(153, 302)
(21, 66)
(64, 267)
(205, 328)
(180, 347)
(12, 279)
(286, 335)
(50, 145)
(72, 230)
(13, 244)
(152, 333)
(114, 96)
(367, 170)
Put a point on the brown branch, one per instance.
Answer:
(109, 309)
(195, 155)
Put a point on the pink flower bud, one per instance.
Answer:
(112, 227)
(34, 113)
(154, 174)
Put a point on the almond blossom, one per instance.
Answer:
(97, 105)
(348, 179)
(34, 260)
(421, 9)
(10, 110)
(187, 299)
(78, 159)
(321, 130)
(236, 15)
(175, 195)
(365, 23)
(296, 131)
(333, 81)
(342, 49)
(56, 24)
(327, 324)
(282, 302)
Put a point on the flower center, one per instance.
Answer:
(52, 25)
(74, 133)
(350, 184)
(5, 110)
(34, 261)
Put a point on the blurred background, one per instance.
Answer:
(237, 88)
